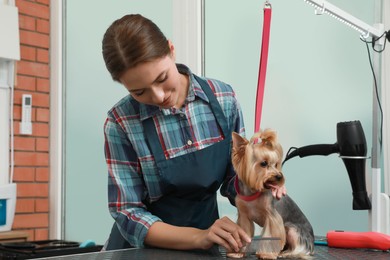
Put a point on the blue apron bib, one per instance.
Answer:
(189, 182)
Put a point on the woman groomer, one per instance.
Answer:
(167, 146)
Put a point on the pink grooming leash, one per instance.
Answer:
(263, 64)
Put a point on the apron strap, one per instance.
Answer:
(263, 64)
(154, 143)
(215, 106)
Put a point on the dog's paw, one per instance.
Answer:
(291, 255)
(265, 255)
(235, 255)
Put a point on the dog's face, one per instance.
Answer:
(258, 162)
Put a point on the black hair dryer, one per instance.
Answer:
(352, 147)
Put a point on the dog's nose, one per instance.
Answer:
(279, 176)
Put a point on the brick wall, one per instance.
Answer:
(32, 151)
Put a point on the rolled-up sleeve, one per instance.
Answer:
(126, 189)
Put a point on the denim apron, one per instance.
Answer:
(189, 182)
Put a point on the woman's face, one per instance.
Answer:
(156, 83)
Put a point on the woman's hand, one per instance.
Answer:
(226, 233)
(223, 232)
(279, 191)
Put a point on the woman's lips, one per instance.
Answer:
(166, 102)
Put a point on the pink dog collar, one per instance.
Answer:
(243, 197)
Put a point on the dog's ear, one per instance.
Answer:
(238, 152)
(238, 141)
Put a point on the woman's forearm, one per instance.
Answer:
(163, 235)
(223, 232)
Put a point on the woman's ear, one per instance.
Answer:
(172, 48)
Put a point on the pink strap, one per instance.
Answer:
(243, 197)
(263, 65)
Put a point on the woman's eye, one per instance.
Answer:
(137, 93)
(163, 79)
(264, 164)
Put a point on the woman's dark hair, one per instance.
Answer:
(131, 40)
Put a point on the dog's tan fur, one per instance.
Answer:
(258, 164)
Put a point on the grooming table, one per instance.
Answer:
(321, 252)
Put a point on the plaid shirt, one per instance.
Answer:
(133, 176)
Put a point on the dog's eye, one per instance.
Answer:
(264, 164)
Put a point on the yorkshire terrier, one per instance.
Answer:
(258, 165)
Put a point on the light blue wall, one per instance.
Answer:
(318, 75)
(90, 93)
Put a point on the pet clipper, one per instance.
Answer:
(372, 240)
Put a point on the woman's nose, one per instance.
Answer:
(157, 95)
